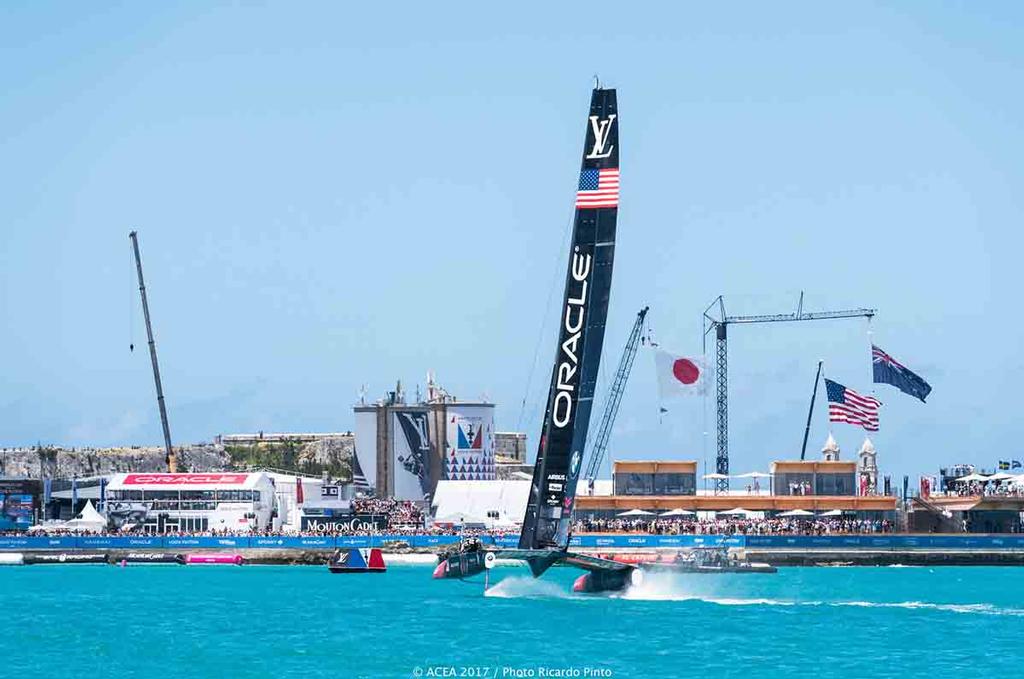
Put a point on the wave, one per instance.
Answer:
(664, 587)
(527, 588)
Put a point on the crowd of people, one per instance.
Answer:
(736, 526)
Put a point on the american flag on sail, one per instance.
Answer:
(846, 405)
(598, 188)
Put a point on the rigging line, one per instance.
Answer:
(547, 308)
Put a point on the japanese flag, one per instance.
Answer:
(680, 376)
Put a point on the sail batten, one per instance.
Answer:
(581, 337)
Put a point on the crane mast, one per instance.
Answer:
(171, 458)
(719, 325)
(611, 407)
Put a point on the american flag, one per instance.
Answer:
(598, 188)
(846, 405)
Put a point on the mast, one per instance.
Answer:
(171, 458)
(810, 411)
(581, 335)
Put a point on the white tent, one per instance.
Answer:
(88, 521)
(460, 518)
(832, 512)
(972, 477)
(715, 476)
(738, 511)
(1001, 476)
(796, 512)
(678, 512)
(754, 475)
(636, 512)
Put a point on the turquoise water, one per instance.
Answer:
(261, 621)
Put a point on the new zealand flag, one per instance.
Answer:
(888, 370)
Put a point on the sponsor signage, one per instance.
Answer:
(344, 524)
(185, 479)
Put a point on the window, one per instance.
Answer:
(634, 484)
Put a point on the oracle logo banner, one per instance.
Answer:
(185, 479)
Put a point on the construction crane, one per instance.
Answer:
(611, 406)
(719, 325)
(171, 458)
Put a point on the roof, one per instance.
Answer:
(655, 466)
(814, 466)
(196, 481)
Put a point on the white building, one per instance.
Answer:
(197, 501)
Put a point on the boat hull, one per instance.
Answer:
(354, 560)
(461, 565)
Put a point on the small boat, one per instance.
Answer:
(221, 559)
(153, 557)
(357, 560)
(708, 560)
(65, 557)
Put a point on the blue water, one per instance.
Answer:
(261, 621)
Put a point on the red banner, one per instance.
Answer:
(185, 479)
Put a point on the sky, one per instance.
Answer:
(330, 196)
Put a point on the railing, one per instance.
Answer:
(879, 541)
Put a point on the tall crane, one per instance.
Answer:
(719, 324)
(171, 458)
(611, 407)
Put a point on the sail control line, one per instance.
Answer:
(544, 540)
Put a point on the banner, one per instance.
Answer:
(371, 523)
(470, 436)
(411, 464)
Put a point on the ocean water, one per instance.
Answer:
(264, 621)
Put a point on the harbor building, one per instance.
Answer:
(404, 449)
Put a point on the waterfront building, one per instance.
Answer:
(867, 468)
(220, 501)
(404, 449)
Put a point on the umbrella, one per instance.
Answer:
(832, 512)
(678, 512)
(797, 512)
(737, 510)
(715, 476)
(636, 512)
(973, 477)
(754, 475)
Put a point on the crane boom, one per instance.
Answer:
(719, 324)
(611, 407)
(172, 460)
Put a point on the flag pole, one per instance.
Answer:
(810, 411)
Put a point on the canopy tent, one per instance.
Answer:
(678, 512)
(715, 476)
(972, 477)
(833, 512)
(737, 511)
(1001, 476)
(796, 512)
(460, 518)
(636, 512)
(88, 521)
(754, 475)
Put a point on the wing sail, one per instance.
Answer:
(582, 321)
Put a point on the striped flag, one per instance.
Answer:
(846, 405)
(598, 188)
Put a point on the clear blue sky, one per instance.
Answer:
(340, 195)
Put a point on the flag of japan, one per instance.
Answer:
(679, 375)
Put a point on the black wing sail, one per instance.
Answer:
(582, 320)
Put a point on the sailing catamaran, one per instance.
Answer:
(544, 540)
